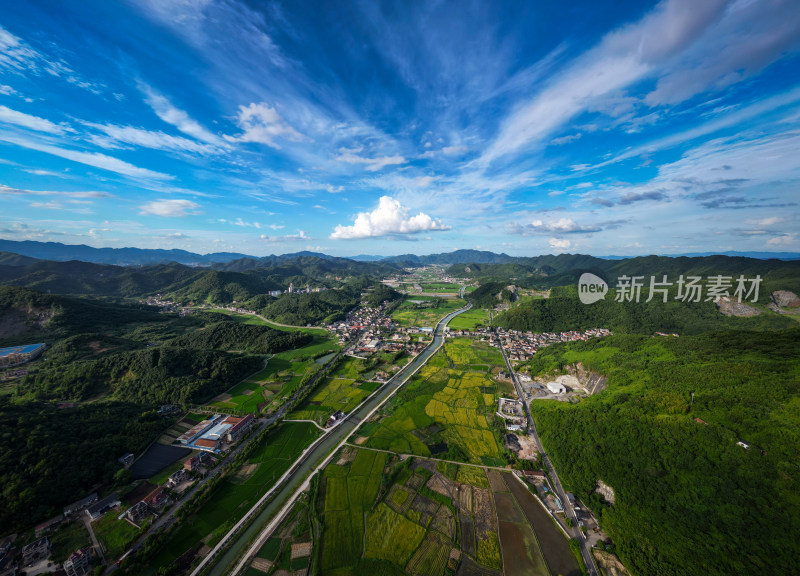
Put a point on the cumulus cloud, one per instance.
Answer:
(10, 116)
(559, 245)
(263, 124)
(390, 218)
(170, 208)
(351, 156)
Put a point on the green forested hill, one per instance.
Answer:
(565, 269)
(564, 311)
(688, 499)
(51, 457)
(183, 283)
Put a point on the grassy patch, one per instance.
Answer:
(114, 535)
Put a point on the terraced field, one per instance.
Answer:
(412, 517)
(444, 411)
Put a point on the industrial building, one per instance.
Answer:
(211, 434)
(556, 388)
(16, 355)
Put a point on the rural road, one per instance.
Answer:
(586, 549)
(219, 562)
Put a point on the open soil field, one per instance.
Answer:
(551, 541)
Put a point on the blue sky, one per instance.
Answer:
(388, 128)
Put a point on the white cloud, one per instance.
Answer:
(165, 110)
(748, 37)
(566, 139)
(170, 208)
(89, 158)
(388, 219)
(263, 124)
(301, 235)
(7, 190)
(621, 58)
(114, 135)
(351, 156)
(560, 226)
(559, 245)
(10, 116)
(453, 150)
(783, 240)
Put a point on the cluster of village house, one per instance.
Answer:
(79, 563)
(523, 345)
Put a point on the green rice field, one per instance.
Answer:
(424, 310)
(445, 411)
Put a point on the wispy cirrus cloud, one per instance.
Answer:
(372, 164)
(178, 118)
(95, 159)
(9, 116)
(113, 136)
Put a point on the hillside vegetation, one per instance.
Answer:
(565, 269)
(689, 500)
(564, 311)
(223, 284)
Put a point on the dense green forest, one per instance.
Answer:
(312, 307)
(689, 500)
(489, 294)
(563, 311)
(28, 313)
(380, 294)
(155, 375)
(229, 335)
(51, 457)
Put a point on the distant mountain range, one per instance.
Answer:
(56, 251)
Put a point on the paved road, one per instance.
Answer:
(586, 549)
(218, 563)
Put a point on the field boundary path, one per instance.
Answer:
(315, 460)
(586, 550)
